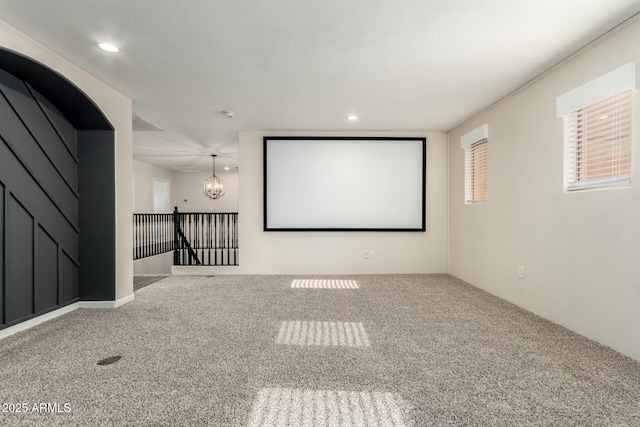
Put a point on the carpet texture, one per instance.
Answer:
(204, 351)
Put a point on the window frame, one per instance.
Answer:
(476, 179)
(583, 134)
(607, 85)
(165, 186)
(475, 143)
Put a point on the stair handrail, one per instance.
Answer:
(178, 236)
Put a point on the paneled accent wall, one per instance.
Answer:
(39, 218)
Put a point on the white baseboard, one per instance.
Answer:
(107, 304)
(64, 310)
(37, 320)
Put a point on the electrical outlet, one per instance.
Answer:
(521, 272)
(372, 254)
(365, 254)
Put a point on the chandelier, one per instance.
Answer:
(213, 186)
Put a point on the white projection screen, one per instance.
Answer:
(344, 184)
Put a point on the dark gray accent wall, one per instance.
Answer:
(21, 98)
(17, 179)
(46, 269)
(3, 270)
(18, 119)
(19, 262)
(63, 128)
(39, 176)
(96, 153)
(57, 193)
(68, 290)
(74, 105)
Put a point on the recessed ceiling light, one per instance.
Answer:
(352, 117)
(109, 47)
(227, 168)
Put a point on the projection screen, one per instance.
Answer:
(344, 184)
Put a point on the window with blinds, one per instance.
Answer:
(476, 172)
(598, 143)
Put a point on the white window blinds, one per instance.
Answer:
(476, 172)
(598, 143)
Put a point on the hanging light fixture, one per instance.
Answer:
(213, 186)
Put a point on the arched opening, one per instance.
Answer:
(57, 193)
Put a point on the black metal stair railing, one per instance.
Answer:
(152, 234)
(196, 238)
(181, 243)
(206, 238)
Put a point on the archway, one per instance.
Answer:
(57, 193)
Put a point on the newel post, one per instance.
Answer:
(176, 237)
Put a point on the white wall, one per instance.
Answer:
(144, 173)
(340, 252)
(143, 184)
(188, 186)
(158, 264)
(117, 108)
(580, 250)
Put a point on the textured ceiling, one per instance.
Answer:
(409, 65)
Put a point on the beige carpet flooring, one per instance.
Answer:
(412, 350)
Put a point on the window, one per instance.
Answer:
(476, 172)
(598, 123)
(598, 143)
(160, 196)
(475, 168)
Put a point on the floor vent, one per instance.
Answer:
(109, 360)
(324, 284)
(312, 333)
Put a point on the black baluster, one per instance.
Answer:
(176, 225)
(209, 238)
